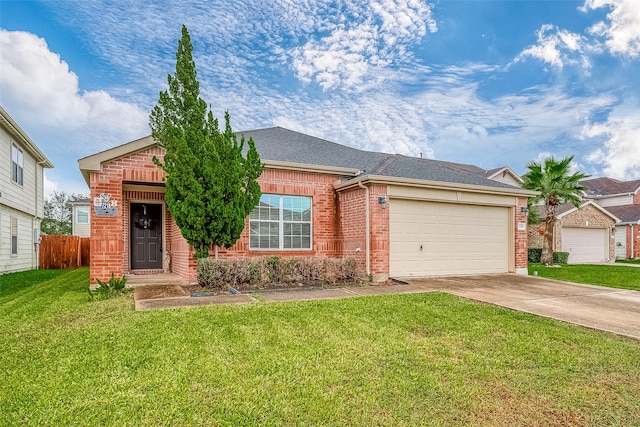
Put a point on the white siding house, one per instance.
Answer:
(21, 196)
(80, 218)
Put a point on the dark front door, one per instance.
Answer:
(146, 236)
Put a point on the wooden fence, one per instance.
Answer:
(62, 251)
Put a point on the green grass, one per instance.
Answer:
(421, 359)
(613, 276)
(628, 261)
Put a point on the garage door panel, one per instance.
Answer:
(585, 245)
(455, 238)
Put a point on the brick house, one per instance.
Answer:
(398, 216)
(621, 199)
(586, 232)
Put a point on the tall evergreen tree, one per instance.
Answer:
(556, 186)
(211, 186)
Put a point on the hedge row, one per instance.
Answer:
(270, 270)
(558, 257)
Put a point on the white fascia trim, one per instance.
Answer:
(410, 182)
(303, 167)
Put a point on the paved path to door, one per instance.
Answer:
(607, 309)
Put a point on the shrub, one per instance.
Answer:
(534, 255)
(260, 271)
(560, 257)
(109, 288)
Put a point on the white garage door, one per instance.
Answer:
(585, 244)
(439, 239)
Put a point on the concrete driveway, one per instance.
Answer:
(607, 309)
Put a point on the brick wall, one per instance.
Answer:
(633, 235)
(636, 198)
(521, 237)
(351, 211)
(587, 217)
(110, 235)
(326, 241)
(379, 217)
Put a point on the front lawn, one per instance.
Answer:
(613, 276)
(421, 359)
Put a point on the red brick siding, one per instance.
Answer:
(521, 236)
(633, 235)
(636, 198)
(351, 212)
(379, 228)
(110, 235)
(326, 240)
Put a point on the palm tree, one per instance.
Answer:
(556, 186)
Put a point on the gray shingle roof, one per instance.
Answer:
(626, 213)
(279, 144)
(607, 186)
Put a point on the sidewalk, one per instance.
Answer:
(168, 296)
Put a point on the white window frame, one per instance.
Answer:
(281, 222)
(13, 233)
(17, 165)
(84, 209)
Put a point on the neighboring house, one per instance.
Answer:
(586, 233)
(397, 216)
(622, 199)
(21, 196)
(80, 218)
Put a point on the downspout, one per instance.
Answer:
(367, 245)
(35, 257)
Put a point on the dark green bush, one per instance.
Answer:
(535, 254)
(560, 257)
(260, 271)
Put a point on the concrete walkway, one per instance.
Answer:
(607, 309)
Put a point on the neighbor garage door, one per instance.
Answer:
(585, 244)
(438, 239)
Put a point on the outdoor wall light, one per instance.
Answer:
(523, 209)
(382, 201)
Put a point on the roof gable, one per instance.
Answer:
(568, 208)
(16, 131)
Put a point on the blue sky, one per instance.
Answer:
(490, 83)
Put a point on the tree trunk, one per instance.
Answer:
(547, 244)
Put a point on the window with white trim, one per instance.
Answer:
(14, 235)
(17, 165)
(82, 215)
(281, 222)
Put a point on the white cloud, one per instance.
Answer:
(556, 47)
(40, 91)
(621, 152)
(622, 31)
(376, 35)
(42, 94)
(49, 186)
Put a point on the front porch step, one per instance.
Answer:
(158, 279)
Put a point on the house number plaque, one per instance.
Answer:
(105, 206)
